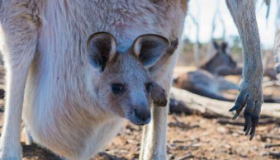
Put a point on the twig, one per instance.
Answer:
(276, 155)
(271, 145)
(187, 156)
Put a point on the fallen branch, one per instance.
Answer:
(190, 103)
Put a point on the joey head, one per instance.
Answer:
(124, 86)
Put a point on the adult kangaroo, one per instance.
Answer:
(221, 59)
(58, 75)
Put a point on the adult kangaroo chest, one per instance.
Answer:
(63, 113)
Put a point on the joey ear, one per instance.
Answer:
(149, 48)
(102, 47)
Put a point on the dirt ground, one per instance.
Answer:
(189, 137)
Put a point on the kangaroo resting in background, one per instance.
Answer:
(64, 87)
(221, 63)
(221, 59)
(205, 84)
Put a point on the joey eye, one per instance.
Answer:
(149, 86)
(117, 88)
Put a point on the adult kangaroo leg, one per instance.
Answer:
(153, 146)
(154, 135)
(243, 13)
(18, 30)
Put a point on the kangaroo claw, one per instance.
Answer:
(251, 99)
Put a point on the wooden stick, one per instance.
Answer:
(195, 104)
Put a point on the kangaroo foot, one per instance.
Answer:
(251, 99)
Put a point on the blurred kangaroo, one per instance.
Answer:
(221, 63)
(221, 59)
(205, 84)
(61, 85)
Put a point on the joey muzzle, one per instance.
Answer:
(141, 114)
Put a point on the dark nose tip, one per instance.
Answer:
(143, 114)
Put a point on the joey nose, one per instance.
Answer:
(143, 114)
